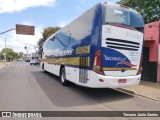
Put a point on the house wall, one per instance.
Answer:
(151, 40)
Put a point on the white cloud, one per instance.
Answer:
(18, 5)
(17, 42)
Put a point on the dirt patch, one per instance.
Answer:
(2, 64)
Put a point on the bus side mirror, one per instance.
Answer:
(52, 39)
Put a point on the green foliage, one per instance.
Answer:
(1, 56)
(49, 31)
(150, 9)
(10, 54)
(46, 33)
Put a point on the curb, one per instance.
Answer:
(126, 90)
(135, 93)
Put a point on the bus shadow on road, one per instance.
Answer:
(74, 95)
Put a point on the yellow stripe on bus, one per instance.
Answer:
(68, 61)
(118, 69)
(83, 50)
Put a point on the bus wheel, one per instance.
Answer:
(43, 68)
(64, 82)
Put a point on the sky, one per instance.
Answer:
(38, 13)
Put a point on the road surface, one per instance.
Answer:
(28, 88)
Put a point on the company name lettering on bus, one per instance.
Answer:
(59, 53)
(133, 59)
(131, 53)
(114, 58)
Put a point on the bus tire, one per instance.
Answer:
(43, 68)
(64, 82)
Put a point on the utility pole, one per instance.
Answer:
(5, 41)
(11, 58)
(5, 52)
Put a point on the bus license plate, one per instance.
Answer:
(122, 81)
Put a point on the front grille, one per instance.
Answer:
(122, 44)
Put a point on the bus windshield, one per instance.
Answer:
(118, 15)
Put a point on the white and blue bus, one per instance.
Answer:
(102, 48)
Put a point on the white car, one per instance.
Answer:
(33, 61)
(20, 59)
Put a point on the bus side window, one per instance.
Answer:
(63, 38)
(45, 46)
(55, 45)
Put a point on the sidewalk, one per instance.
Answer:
(146, 89)
(3, 64)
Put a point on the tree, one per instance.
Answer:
(15, 55)
(46, 33)
(149, 9)
(1, 56)
(10, 54)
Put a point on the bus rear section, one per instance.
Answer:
(118, 63)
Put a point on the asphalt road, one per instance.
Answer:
(28, 88)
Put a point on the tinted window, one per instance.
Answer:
(46, 45)
(56, 44)
(118, 15)
(136, 21)
(64, 39)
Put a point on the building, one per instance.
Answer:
(151, 52)
(21, 53)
